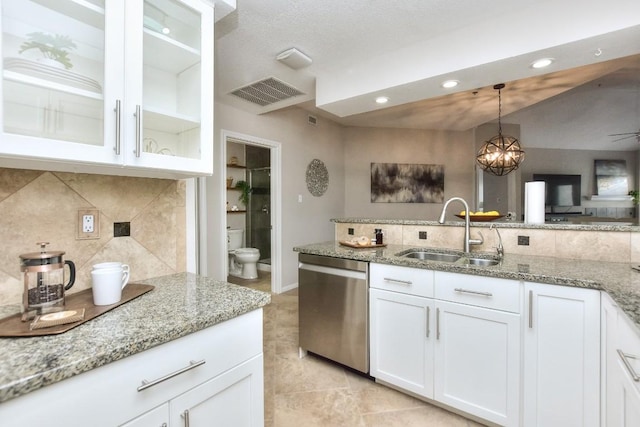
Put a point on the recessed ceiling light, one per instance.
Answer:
(450, 83)
(382, 100)
(541, 63)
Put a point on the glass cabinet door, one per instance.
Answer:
(174, 102)
(53, 87)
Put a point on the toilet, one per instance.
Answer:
(242, 261)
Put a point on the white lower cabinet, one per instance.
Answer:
(401, 340)
(561, 356)
(157, 417)
(477, 361)
(451, 348)
(477, 350)
(223, 401)
(621, 368)
(213, 376)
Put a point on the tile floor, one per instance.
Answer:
(313, 392)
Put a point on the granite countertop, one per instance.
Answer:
(179, 304)
(549, 225)
(619, 280)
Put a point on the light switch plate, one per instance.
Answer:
(87, 219)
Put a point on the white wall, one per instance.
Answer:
(363, 146)
(302, 223)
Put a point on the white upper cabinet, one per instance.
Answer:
(93, 84)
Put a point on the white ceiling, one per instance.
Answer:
(405, 49)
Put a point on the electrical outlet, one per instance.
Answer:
(350, 231)
(523, 240)
(88, 224)
(422, 235)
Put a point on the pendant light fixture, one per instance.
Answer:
(501, 154)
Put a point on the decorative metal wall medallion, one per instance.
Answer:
(317, 178)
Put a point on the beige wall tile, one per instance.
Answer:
(541, 242)
(43, 206)
(392, 233)
(438, 237)
(594, 245)
(613, 246)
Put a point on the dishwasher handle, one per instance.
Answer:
(333, 271)
(326, 261)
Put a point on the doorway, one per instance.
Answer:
(257, 162)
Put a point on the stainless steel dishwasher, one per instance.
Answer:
(334, 309)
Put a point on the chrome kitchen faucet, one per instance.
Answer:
(467, 239)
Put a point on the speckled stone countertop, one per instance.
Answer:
(179, 304)
(585, 226)
(619, 280)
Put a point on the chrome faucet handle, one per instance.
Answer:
(499, 248)
(477, 241)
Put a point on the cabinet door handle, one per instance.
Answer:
(467, 291)
(530, 309)
(402, 282)
(437, 323)
(192, 364)
(625, 359)
(185, 414)
(118, 126)
(428, 316)
(138, 131)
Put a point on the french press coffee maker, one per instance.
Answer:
(43, 275)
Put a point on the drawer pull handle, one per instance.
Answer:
(192, 364)
(466, 291)
(625, 360)
(402, 282)
(185, 414)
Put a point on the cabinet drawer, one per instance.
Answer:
(498, 294)
(221, 346)
(407, 280)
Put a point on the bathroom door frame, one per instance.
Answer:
(275, 154)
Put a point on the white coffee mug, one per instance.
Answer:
(112, 264)
(108, 284)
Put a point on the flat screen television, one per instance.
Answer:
(561, 190)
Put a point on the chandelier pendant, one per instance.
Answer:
(501, 154)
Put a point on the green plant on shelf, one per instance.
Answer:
(636, 196)
(245, 191)
(55, 47)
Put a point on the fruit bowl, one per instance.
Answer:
(482, 218)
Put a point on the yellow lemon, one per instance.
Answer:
(463, 213)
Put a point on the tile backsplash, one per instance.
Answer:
(37, 206)
(613, 246)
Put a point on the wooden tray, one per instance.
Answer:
(13, 326)
(351, 245)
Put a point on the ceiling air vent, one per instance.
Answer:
(267, 91)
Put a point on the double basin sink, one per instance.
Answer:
(432, 255)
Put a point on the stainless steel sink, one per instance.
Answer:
(483, 262)
(432, 256)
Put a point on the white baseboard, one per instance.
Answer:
(264, 267)
(290, 287)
